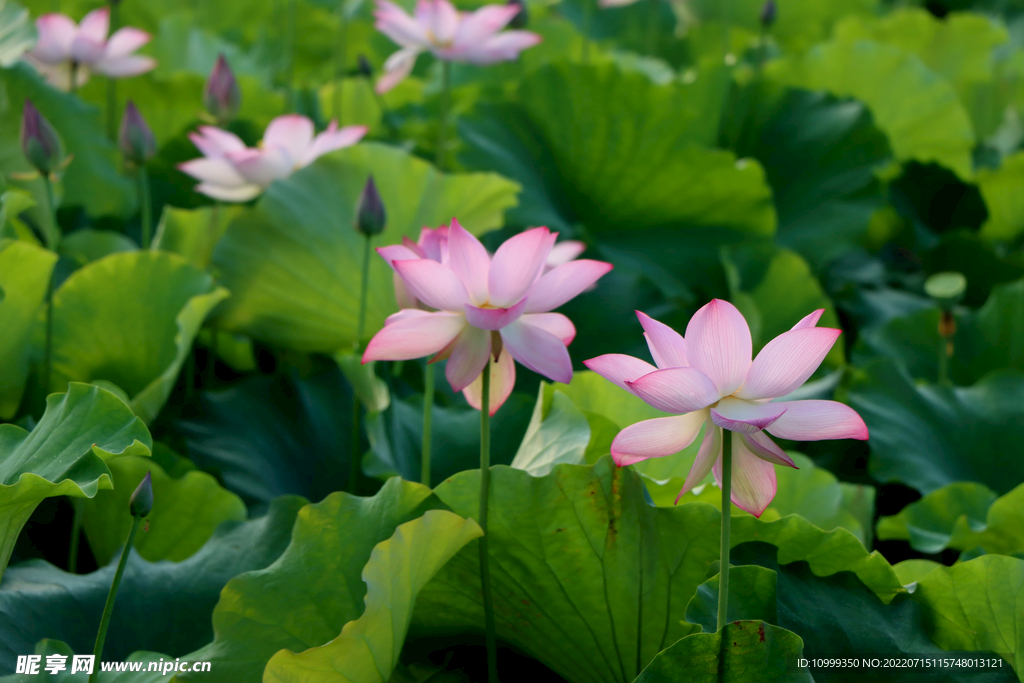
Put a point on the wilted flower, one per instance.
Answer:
(221, 96)
(64, 48)
(371, 217)
(136, 138)
(709, 378)
(485, 307)
(232, 172)
(448, 34)
(39, 141)
(141, 502)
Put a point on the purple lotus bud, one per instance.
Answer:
(141, 501)
(371, 217)
(137, 142)
(221, 97)
(39, 141)
(365, 68)
(768, 12)
(520, 20)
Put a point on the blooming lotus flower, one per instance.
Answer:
(485, 306)
(439, 28)
(708, 379)
(65, 47)
(232, 172)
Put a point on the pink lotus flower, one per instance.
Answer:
(232, 172)
(439, 28)
(484, 307)
(708, 378)
(65, 47)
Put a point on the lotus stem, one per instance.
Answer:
(341, 57)
(428, 410)
(51, 244)
(723, 575)
(146, 203)
(485, 489)
(652, 26)
(291, 29)
(77, 506)
(115, 24)
(442, 131)
(588, 21)
(109, 608)
(947, 330)
(355, 464)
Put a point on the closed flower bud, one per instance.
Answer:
(142, 500)
(365, 68)
(137, 142)
(520, 20)
(221, 97)
(39, 141)
(371, 218)
(768, 12)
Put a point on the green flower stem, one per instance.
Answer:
(355, 463)
(146, 204)
(485, 489)
(588, 21)
(946, 334)
(51, 244)
(428, 411)
(291, 29)
(74, 78)
(115, 24)
(652, 26)
(442, 130)
(341, 58)
(723, 576)
(77, 505)
(109, 608)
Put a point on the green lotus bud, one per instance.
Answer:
(371, 217)
(947, 289)
(221, 96)
(137, 142)
(142, 500)
(39, 141)
(768, 13)
(365, 68)
(520, 20)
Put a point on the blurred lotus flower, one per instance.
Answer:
(136, 138)
(485, 306)
(371, 217)
(439, 28)
(64, 48)
(221, 96)
(39, 141)
(232, 172)
(709, 379)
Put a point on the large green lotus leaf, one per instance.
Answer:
(271, 435)
(752, 595)
(928, 436)
(193, 233)
(87, 245)
(741, 651)
(977, 605)
(307, 596)
(63, 455)
(367, 649)
(820, 155)
(558, 433)
(17, 32)
(837, 616)
(162, 606)
(130, 319)
(92, 179)
(596, 586)
(190, 509)
(962, 515)
(916, 108)
(360, 105)
(799, 23)
(1005, 206)
(294, 263)
(24, 277)
(396, 437)
(988, 339)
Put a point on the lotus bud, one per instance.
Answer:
(768, 13)
(142, 500)
(39, 141)
(371, 217)
(137, 142)
(520, 20)
(221, 97)
(365, 68)
(947, 289)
